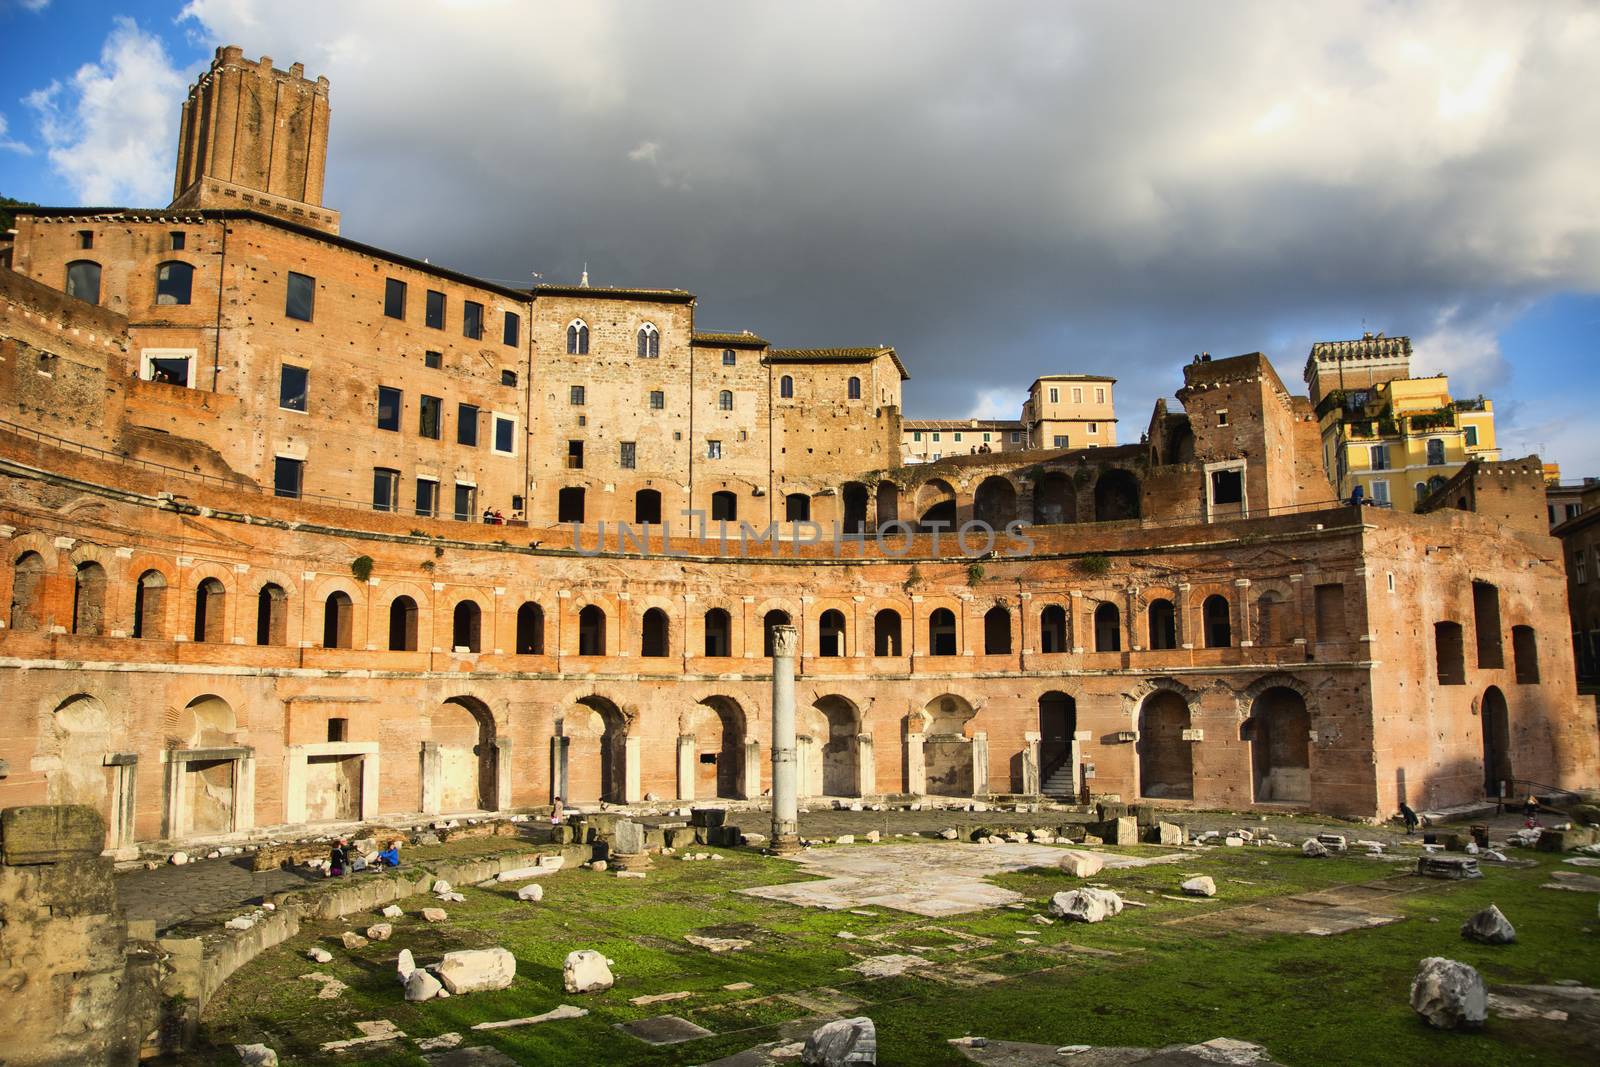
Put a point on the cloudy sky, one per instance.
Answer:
(1000, 191)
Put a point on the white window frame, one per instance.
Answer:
(148, 356)
(494, 433)
(1242, 466)
(713, 448)
(1380, 491)
(1077, 394)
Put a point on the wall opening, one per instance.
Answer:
(1525, 654)
(403, 624)
(647, 506)
(1053, 629)
(26, 579)
(530, 630)
(942, 632)
(591, 631)
(719, 633)
(466, 627)
(857, 497)
(1486, 626)
(1449, 653)
(995, 502)
(89, 600)
(997, 632)
(1496, 723)
(1217, 621)
(1058, 723)
(1163, 624)
(1107, 628)
(149, 605)
(1116, 496)
(338, 619)
(770, 621)
(1279, 732)
(272, 615)
(655, 639)
(1166, 770)
(831, 633)
(1054, 500)
(886, 633)
(209, 605)
(947, 746)
(936, 503)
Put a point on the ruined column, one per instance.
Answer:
(686, 766)
(430, 778)
(631, 755)
(916, 766)
(1031, 786)
(785, 786)
(866, 766)
(751, 781)
(980, 764)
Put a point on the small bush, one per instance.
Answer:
(361, 567)
(1095, 565)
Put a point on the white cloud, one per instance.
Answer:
(7, 144)
(1004, 403)
(35, 5)
(1466, 348)
(111, 129)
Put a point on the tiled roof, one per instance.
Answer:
(743, 339)
(601, 292)
(835, 355)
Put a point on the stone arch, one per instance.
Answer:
(833, 723)
(1165, 761)
(207, 721)
(888, 501)
(1054, 631)
(1279, 732)
(936, 502)
(833, 633)
(1107, 627)
(888, 633)
(997, 631)
(210, 610)
(78, 734)
(466, 626)
(1116, 496)
(89, 599)
(947, 750)
(1162, 617)
(1055, 499)
(596, 729)
(592, 630)
(995, 501)
(1216, 621)
(719, 729)
(944, 636)
(530, 629)
(1495, 721)
(857, 499)
(27, 591)
(466, 760)
(655, 633)
(150, 604)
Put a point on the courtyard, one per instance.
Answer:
(939, 940)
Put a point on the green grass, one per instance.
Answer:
(1310, 1000)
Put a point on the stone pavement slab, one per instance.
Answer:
(932, 880)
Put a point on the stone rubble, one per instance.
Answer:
(434, 915)
(1086, 905)
(1200, 886)
(1314, 849)
(586, 971)
(1489, 927)
(841, 1043)
(1081, 864)
(318, 954)
(379, 932)
(533, 891)
(404, 964)
(256, 1055)
(420, 985)
(353, 940)
(1449, 995)
(476, 970)
(393, 911)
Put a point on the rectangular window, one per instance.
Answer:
(728, 358)
(575, 455)
(1099, 395)
(1580, 568)
(85, 238)
(713, 449)
(433, 360)
(433, 314)
(173, 370)
(427, 497)
(1227, 486)
(1380, 491)
(467, 425)
(1061, 440)
(936, 435)
(508, 377)
(466, 502)
(629, 457)
(1380, 457)
(1094, 427)
(1573, 510)
(505, 435)
(302, 297)
(388, 408)
(292, 388)
(985, 438)
(179, 239)
(1077, 394)
(472, 319)
(658, 400)
(575, 395)
(394, 298)
(1016, 437)
(511, 333)
(287, 476)
(430, 417)
(916, 435)
(958, 436)
(1055, 396)
(1472, 435)
(385, 489)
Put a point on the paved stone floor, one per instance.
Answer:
(171, 895)
(934, 880)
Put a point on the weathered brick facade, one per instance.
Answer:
(1192, 619)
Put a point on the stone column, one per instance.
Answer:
(124, 766)
(805, 767)
(866, 767)
(631, 793)
(916, 766)
(558, 768)
(752, 770)
(685, 766)
(1031, 785)
(785, 787)
(980, 764)
(502, 774)
(430, 778)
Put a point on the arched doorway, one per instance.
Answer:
(857, 498)
(1166, 769)
(655, 634)
(717, 725)
(947, 746)
(1279, 732)
(888, 502)
(1116, 496)
(79, 735)
(936, 503)
(1054, 500)
(1058, 723)
(202, 793)
(1496, 741)
(463, 731)
(596, 733)
(995, 502)
(833, 723)
(647, 507)
(886, 633)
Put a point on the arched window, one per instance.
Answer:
(530, 630)
(725, 401)
(786, 387)
(724, 505)
(577, 338)
(403, 625)
(272, 615)
(797, 508)
(719, 628)
(592, 631)
(830, 633)
(338, 616)
(1107, 628)
(769, 621)
(654, 639)
(942, 632)
(466, 627)
(25, 579)
(855, 388)
(1053, 628)
(174, 281)
(1163, 624)
(209, 604)
(83, 280)
(997, 632)
(886, 633)
(149, 604)
(569, 504)
(647, 506)
(89, 600)
(1218, 625)
(649, 341)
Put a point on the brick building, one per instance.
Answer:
(244, 459)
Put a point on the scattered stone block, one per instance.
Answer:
(404, 965)
(318, 954)
(874, 836)
(1086, 905)
(949, 835)
(717, 944)
(353, 940)
(564, 1011)
(178, 859)
(434, 915)
(256, 1055)
(753, 840)
(1169, 833)
(379, 932)
(1568, 839)
(841, 1043)
(1448, 867)
(552, 863)
(520, 874)
(240, 922)
(420, 985)
(586, 971)
(1314, 849)
(1081, 864)
(628, 838)
(659, 998)
(441, 886)
(845, 839)
(599, 865)
(1490, 927)
(393, 911)
(1333, 842)
(664, 1030)
(1449, 995)
(533, 891)
(1200, 886)
(476, 970)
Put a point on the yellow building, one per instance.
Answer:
(1071, 411)
(1394, 436)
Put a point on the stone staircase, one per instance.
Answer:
(1059, 784)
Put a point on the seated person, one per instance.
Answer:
(390, 857)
